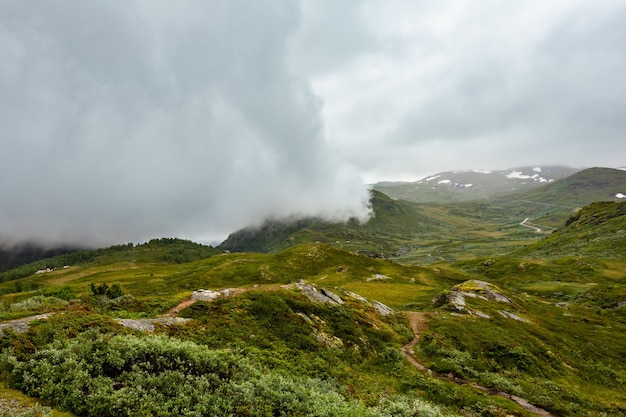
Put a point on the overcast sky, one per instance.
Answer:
(126, 120)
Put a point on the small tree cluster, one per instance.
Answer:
(114, 291)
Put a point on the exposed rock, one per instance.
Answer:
(331, 295)
(356, 296)
(481, 314)
(513, 316)
(147, 325)
(378, 277)
(205, 295)
(21, 325)
(382, 309)
(481, 289)
(456, 298)
(210, 295)
(323, 296)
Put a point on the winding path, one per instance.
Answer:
(526, 224)
(417, 321)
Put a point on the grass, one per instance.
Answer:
(26, 401)
(567, 358)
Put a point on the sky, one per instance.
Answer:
(122, 121)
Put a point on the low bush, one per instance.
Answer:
(104, 375)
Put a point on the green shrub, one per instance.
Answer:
(103, 375)
(39, 303)
(65, 293)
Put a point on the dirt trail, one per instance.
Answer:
(417, 321)
(530, 225)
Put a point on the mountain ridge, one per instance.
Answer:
(454, 186)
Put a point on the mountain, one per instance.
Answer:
(580, 189)
(502, 316)
(431, 232)
(471, 185)
(393, 223)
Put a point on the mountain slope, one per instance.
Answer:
(393, 224)
(580, 189)
(471, 185)
(597, 230)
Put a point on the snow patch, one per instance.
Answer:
(432, 178)
(537, 169)
(444, 182)
(620, 195)
(480, 171)
(520, 176)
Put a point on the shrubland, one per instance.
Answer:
(268, 349)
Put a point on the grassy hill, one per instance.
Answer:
(393, 224)
(298, 353)
(502, 318)
(597, 230)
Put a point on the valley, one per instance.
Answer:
(509, 304)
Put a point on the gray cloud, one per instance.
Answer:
(130, 120)
(466, 84)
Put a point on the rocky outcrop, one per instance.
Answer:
(148, 325)
(382, 309)
(456, 299)
(21, 325)
(210, 295)
(321, 296)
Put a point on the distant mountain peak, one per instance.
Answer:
(474, 184)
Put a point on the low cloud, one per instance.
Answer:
(123, 121)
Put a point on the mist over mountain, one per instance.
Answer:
(124, 121)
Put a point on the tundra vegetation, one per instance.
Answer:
(539, 319)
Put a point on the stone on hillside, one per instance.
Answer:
(513, 316)
(382, 309)
(454, 299)
(378, 277)
(147, 325)
(21, 325)
(205, 295)
(332, 296)
(356, 296)
(481, 289)
(481, 314)
(323, 296)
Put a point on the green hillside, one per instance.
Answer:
(597, 230)
(293, 353)
(503, 320)
(393, 224)
(580, 189)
